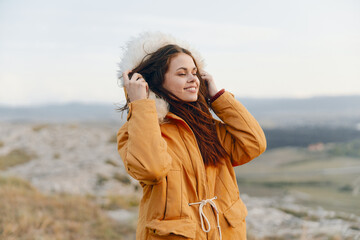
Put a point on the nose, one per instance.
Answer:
(192, 78)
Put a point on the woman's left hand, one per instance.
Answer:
(212, 89)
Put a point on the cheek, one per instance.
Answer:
(173, 85)
(176, 88)
(198, 81)
(167, 83)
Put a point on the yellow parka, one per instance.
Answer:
(183, 199)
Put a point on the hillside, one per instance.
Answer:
(285, 189)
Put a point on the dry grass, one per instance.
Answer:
(112, 162)
(26, 214)
(56, 155)
(39, 127)
(1, 144)
(121, 202)
(101, 179)
(13, 158)
(121, 178)
(113, 139)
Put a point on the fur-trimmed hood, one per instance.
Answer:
(138, 47)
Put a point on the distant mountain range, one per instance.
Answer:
(341, 111)
(62, 113)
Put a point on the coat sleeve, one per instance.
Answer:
(239, 133)
(140, 144)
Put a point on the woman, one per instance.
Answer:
(182, 157)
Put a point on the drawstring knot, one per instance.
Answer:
(202, 215)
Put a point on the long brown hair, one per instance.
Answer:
(196, 114)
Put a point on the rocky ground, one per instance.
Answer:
(281, 218)
(74, 158)
(81, 158)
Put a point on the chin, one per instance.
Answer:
(194, 99)
(191, 98)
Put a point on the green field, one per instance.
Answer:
(316, 178)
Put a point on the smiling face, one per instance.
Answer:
(180, 78)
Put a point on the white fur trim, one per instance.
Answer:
(162, 107)
(138, 47)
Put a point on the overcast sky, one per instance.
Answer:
(68, 50)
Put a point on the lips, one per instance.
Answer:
(191, 89)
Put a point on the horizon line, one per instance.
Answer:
(80, 102)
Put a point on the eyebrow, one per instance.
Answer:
(195, 68)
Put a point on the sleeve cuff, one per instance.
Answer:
(218, 94)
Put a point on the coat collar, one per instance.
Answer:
(162, 106)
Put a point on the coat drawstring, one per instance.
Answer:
(202, 215)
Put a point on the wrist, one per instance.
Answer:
(218, 94)
(213, 92)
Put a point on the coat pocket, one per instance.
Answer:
(171, 229)
(173, 195)
(235, 215)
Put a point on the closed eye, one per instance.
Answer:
(184, 74)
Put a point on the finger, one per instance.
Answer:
(146, 85)
(141, 79)
(136, 76)
(206, 76)
(147, 90)
(126, 76)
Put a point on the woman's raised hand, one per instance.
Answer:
(136, 87)
(212, 89)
